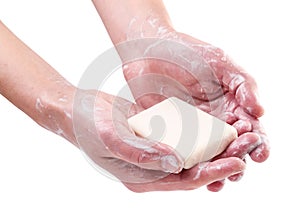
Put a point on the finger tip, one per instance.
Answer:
(252, 138)
(236, 177)
(260, 155)
(153, 155)
(172, 163)
(242, 126)
(216, 186)
(237, 165)
(169, 159)
(255, 110)
(226, 167)
(247, 96)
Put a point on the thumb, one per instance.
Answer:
(148, 154)
(244, 87)
(246, 95)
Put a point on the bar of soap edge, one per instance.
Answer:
(209, 144)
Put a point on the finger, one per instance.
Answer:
(123, 144)
(243, 145)
(216, 186)
(246, 95)
(128, 172)
(236, 177)
(218, 170)
(201, 174)
(243, 86)
(262, 151)
(242, 126)
(229, 118)
(147, 154)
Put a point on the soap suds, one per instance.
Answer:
(39, 105)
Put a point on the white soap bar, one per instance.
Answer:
(195, 135)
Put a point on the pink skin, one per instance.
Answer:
(97, 124)
(211, 173)
(133, 19)
(102, 132)
(140, 164)
(100, 121)
(240, 106)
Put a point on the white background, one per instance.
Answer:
(44, 176)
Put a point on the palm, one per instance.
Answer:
(102, 133)
(214, 84)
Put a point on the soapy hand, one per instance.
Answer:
(102, 132)
(203, 75)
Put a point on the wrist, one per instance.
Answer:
(54, 111)
(142, 34)
(133, 19)
(152, 26)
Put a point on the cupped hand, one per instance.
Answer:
(178, 65)
(102, 133)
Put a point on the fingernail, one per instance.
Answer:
(171, 164)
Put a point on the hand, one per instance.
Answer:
(97, 123)
(203, 75)
(102, 132)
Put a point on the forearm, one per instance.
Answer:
(133, 19)
(34, 86)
